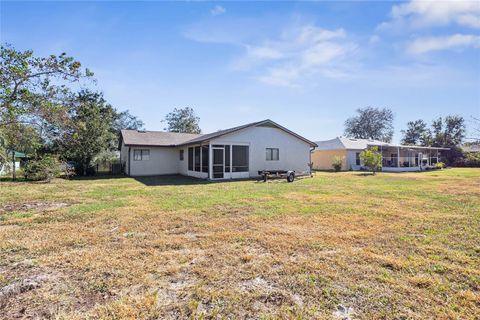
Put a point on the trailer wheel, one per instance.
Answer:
(291, 177)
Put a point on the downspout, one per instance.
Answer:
(310, 164)
(128, 161)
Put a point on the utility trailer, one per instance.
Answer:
(280, 174)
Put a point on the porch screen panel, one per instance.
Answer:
(190, 159)
(227, 158)
(204, 158)
(239, 158)
(197, 159)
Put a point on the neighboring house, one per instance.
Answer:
(5, 168)
(395, 157)
(471, 148)
(238, 152)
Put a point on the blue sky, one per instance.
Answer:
(306, 65)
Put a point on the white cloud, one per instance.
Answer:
(298, 53)
(374, 39)
(426, 13)
(218, 10)
(457, 41)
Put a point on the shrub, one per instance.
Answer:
(372, 159)
(337, 163)
(43, 169)
(439, 165)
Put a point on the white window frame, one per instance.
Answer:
(269, 152)
(144, 154)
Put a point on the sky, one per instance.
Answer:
(306, 65)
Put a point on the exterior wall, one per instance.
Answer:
(182, 167)
(294, 154)
(124, 157)
(352, 160)
(5, 168)
(163, 160)
(322, 159)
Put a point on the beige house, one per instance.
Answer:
(395, 157)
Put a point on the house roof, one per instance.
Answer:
(155, 138)
(471, 148)
(360, 144)
(18, 154)
(158, 138)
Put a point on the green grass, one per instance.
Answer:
(394, 245)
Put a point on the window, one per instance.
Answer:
(190, 159)
(239, 158)
(204, 158)
(272, 154)
(197, 159)
(181, 155)
(357, 158)
(141, 154)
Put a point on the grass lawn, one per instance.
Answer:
(394, 246)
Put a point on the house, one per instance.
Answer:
(238, 152)
(395, 157)
(6, 167)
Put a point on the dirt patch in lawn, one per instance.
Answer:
(34, 205)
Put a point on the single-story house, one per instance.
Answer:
(395, 157)
(6, 168)
(238, 152)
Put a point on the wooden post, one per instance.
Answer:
(14, 173)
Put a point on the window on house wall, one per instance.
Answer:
(141, 154)
(204, 158)
(272, 154)
(357, 158)
(227, 158)
(190, 159)
(239, 158)
(197, 159)
(181, 155)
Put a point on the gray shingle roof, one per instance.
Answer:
(360, 144)
(155, 138)
(163, 139)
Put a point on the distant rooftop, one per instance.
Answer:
(360, 144)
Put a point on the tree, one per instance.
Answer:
(183, 120)
(448, 132)
(371, 123)
(417, 133)
(372, 159)
(91, 129)
(33, 89)
(126, 120)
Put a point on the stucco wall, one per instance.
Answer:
(322, 159)
(124, 156)
(294, 154)
(163, 160)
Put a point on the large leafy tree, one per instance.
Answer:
(33, 89)
(90, 131)
(183, 120)
(448, 132)
(371, 123)
(417, 133)
(32, 94)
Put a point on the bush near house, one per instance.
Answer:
(469, 159)
(337, 163)
(45, 169)
(372, 159)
